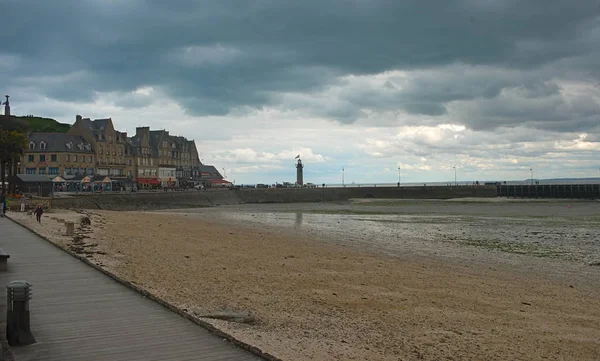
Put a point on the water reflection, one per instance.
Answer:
(298, 222)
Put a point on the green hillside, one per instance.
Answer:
(39, 124)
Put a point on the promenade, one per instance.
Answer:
(78, 313)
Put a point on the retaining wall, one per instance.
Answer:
(162, 200)
(291, 195)
(147, 201)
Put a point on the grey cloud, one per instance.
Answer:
(250, 52)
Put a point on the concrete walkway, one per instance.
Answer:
(78, 313)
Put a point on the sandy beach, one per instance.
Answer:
(312, 299)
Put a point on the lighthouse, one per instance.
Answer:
(299, 167)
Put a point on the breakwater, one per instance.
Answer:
(581, 191)
(172, 200)
(292, 195)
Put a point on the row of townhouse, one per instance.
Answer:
(95, 148)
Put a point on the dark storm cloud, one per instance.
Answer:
(213, 57)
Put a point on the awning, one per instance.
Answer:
(154, 181)
(86, 180)
(58, 179)
(106, 180)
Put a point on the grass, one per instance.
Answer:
(39, 124)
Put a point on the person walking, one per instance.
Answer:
(38, 213)
(22, 203)
(2, 204)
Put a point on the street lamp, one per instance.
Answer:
(399, 176)
(455, 182)
(531, 170)
(343, 177)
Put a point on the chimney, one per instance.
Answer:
(141, 131)
(77, 118)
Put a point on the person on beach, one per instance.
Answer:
(22, 203)
(2, 202)
(38, 213)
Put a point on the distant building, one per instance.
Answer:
(114, 157)
(56, 154)
(93, 148)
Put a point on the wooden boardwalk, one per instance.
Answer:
(78, 313)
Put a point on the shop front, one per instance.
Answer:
(148, 183)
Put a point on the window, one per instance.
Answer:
(90, 171)
(75, 158)
(68, 157)
(42, 146)
(90, 159)
(53, 158)
(42, 157)
(30, 170)
(110, 138)
(42, 171)
(67, 171)
(128, 161)
(32, 146)
(100, 150)
(53, 171)
(30, 158)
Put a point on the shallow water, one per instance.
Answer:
(426, 234)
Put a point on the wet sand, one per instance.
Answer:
(315, 297)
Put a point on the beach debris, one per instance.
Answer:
(85, 221)
(596, 263)
(230, 315)
(526, 303)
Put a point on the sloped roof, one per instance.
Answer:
(214, 173)
(39, 178)
(57, 142)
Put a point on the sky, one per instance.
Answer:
(494, 89)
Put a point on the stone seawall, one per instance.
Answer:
(291, 195)
(147, 201)
(160, 200)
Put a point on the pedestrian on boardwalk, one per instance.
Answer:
(22, 203)
(2, 200)
(38, 213)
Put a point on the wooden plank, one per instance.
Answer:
(78, 313)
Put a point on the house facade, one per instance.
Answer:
(58, 154)
(114, 156)
(150, 158)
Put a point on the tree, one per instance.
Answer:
(12, 145)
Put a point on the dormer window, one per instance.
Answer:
(31, 145)
(88, 146)
(80, 146)
(110, 138)
(69, 145)
(42, 145)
